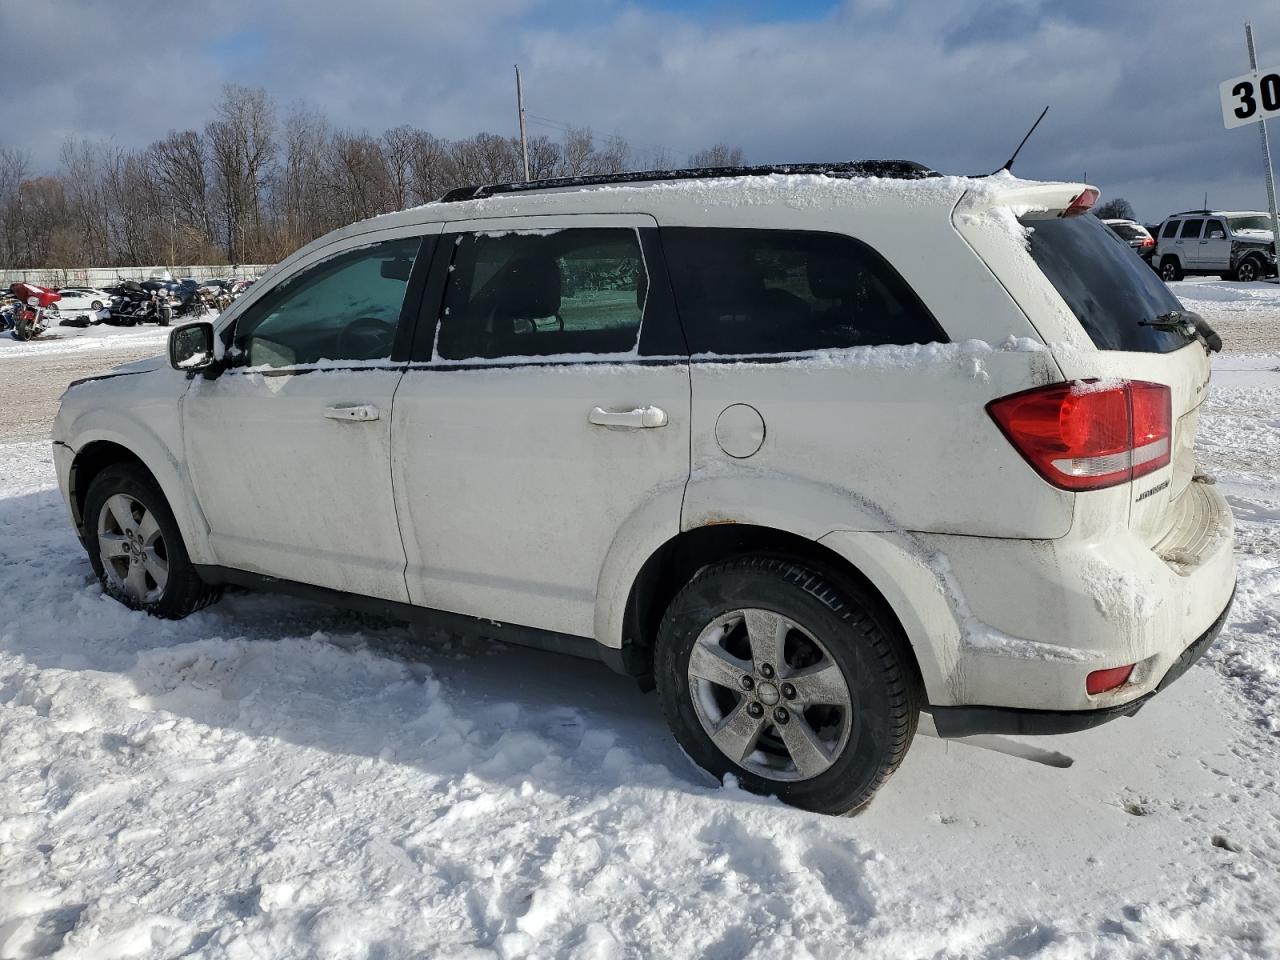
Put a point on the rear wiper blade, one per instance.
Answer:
(1173, 320)
(1190, 325)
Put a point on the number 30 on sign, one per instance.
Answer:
(1251, 98)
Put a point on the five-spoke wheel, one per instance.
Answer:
(796, 686)
(769, 695)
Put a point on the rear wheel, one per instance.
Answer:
(1249, 269)
(1170, 269)
(769, 672)
(135, 547)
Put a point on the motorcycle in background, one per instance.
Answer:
(30, 315)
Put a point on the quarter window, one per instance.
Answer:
(742, 291)
(544, 293)
(1190, 229)
(1170, 229)
(343, 308)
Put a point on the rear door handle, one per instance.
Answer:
(642, 418)
(353, 412)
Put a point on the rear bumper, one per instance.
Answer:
(967, 721)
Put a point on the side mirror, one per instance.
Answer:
(191, 347)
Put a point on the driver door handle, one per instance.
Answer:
(353, 412)
(642, 418)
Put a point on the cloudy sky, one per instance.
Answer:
(1133, 84)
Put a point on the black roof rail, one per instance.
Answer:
(891, 169)
(1183, 213)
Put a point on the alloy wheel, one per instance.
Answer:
(1247, 272)
(769, 695)
(132, 549)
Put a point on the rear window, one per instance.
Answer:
(1108, 287)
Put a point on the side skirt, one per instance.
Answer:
(584, 647)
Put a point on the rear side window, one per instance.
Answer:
(1108, 289)
(537, 294)
(1170, 229)
(1190, 229)
(788, 291)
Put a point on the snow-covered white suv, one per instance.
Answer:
(810, 449)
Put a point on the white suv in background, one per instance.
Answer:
(811, 449)
(1233, 246)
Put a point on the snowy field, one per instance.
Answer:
(271, 778)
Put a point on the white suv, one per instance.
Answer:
(810, 449)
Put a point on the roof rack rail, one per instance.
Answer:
(1183, 213)
(891, 169)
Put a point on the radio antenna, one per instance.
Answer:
(1009, 163)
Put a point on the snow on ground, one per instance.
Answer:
(273, 778)
(75, 339)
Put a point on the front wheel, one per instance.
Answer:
(135, 547)
(768, 671)
(1248, 270)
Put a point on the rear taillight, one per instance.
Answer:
(1089, 435)
(1083, 203)
(1148, 242)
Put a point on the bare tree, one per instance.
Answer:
(242, 146)
(718, 155)
(1117, 208)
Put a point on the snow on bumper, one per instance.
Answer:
(1042, 615)
(1020, 624)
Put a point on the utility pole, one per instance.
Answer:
(524, 144)
(1266, 146)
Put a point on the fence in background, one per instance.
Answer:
(102, 276)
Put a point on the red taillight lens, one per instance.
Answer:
(1100, 681)
(1148, 242)
(1081, 204)
(1086, 436)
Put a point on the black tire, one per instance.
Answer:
(184, 592)
(1170, 270)
(1249, 269)
(96, 305)
(873, 657)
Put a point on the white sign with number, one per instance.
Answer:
(1251, 98)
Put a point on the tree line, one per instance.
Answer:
(252, 186)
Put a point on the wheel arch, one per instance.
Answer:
(101, 450)
(675, 562)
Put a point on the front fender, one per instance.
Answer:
(160, 450)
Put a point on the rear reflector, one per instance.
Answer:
(1082, 203)
(1100, 681)
(1089, 435)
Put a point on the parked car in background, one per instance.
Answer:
(700, 440)
(82, 299)
(1232, 245)
(1134, 234)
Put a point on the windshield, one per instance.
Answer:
(1249, 223)
(1107, 286)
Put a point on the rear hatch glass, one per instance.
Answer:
(1107, 286)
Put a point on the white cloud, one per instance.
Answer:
(1132, 86)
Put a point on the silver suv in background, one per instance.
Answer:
(1233, 245)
